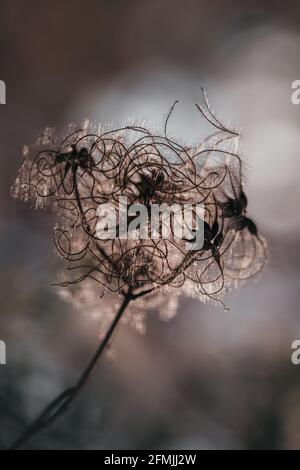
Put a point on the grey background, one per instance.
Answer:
(208, 379)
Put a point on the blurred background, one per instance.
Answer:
(208, 379)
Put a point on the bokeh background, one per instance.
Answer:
(208, 379)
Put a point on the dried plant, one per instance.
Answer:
(88, 168)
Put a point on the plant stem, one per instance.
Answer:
(61, 403)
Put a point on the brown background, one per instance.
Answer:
(209, 378)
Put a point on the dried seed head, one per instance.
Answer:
(90, 168)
